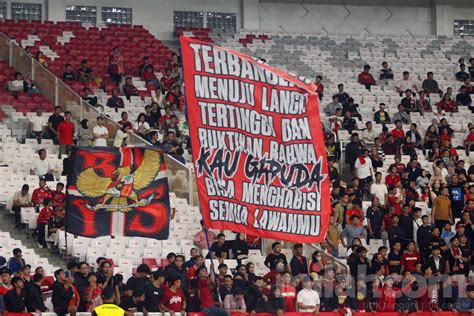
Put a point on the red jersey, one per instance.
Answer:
(146, 76)
(168, 82)
(391, 179)
(44, 215)
(75, 298)
(95, 293)
(58, 198)
(289, 295)
(205, 295)
(400, 167)
(392, 201)
(358, 212)
(173, 300)
(387, 220)
(446, 106)
(366, 78)
(429, 300)
(409, 260)
(39, 195)
(387, 300)
(319, 88)
(165, 120)
(397, 133)
(66, 133)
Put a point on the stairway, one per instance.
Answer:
(7, 224)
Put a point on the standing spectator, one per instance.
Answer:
(375, 219)
(353, 151)
(84, 135)
(406, 83)
(16, 263)
(34, 300)
(141, 127)
(81, 282)
(21, 199)
(394, 258)
(379, 189)
(154, 291)
(42, 167)
(63, 293)
(430, 85)
(442, 212)
(15, 300)
(116, 66)
(65, 134)
(363, 170)
(173, 300)
(308, 299)
(386, 73)
(410, 258)
(177, 269)
(115, 101)
(299, 263)
(352, 230)
(108, 308)
(319, 87)
(142, 67)
(365, 78)
(206, 282)
(37, 125)
(219, 248)
(175, 98)
(42, 220)
(288, 292)
(101, 133)
(135, 303)
(92, 293)
(53, 122)
(276, 257)
(124, 120)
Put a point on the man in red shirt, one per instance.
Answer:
(410, 258)
(288, 292)
(319, 90)
(65, 134)
(392, 178)
(58, 197)
(366, 78)
(167, 81)
(41, 193)
(205, 283)
(173, 300)
(42, 220)
(398, 133)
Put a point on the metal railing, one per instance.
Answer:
(180, 177)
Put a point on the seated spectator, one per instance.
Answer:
(20, 199)
(42, 59)
(141, 127)
(177, 74)
(446, 105)
(389, 147)
(398, 133)
(423, 103)
(175, 98)
(348, 123)
(101, 133)
(129, 89)
(68, 75)
(149, 77)
(124, 121)
(463, 98)
(56, 226)
(331, 107)
(430, 85)
(276, 258)
(29, 85)
(41, 193)
(352, 107)
(16, 263)
(409, 102)
(167, 81)
(235, 302)
(15, 299)
(34, 300)
(42, 220)
(16, 85)
(219, 249)
(92, 100)
(415, 135)
(365, 78)
(401, 115)
(352, 230)
(319, 87)
(469, 87)
(462, 75)
(142, 67)
(84, 73)
(42, 167)
(431, 136)
(341, 94)
(406, 83)
(173, 127)
(115, 101)
(386, 73)
(299, 263)
(381, 116)
(159, 99)
(368, 134)
(165, 119)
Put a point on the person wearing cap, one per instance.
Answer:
(381, 116)
(386, 73)
(466, 304)
(365, 78)
(308, 300)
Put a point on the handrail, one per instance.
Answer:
(333, 258)
(83, 104)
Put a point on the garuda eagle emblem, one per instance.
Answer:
(119, 192)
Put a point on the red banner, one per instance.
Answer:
(257, 144)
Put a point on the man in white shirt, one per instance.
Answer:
(368, 134)
(100, 133)
(406, 84)
(308, 299)
(364, 170)
(379, 189)
(37, 124)
(42, 167)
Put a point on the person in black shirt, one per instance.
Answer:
(394, 258)
(178, 270)
(92, 100)
(353, 151)
(462, 75)
(138, 281)
(193, 304)
(342, 95)
(456, 195)
(375, 219)
(386, 72)
(463, 98)
(53, 123)
(135, 303)
(115, 101)
(142, 67)
(219, 249)
(62, 294)
(299, 263)
(275, 257)
(68, 75)
(154, 291)
(471, 68)
(81, 282)
(150, 118)
(15, 298)
(84, 73)
(34, 300)
(105, 276)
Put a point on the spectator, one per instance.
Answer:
(84, 73)
(15, 300)
(423, 103)
(219, 249)
(375, 224)
(382, 117)
(29, 85)
(319, 87)
(469, 141)
(430, 85)
(406, 83)
(149, 77)
(81, 282)
(442, 212)
(235, 302)
(135, 303)
(41, 193)
(462, 75)
(288, 292)
(386, 73)
(154, 291)
(363, 170)
(141, 127)
(63, 293)
(142, 67)
(353, 151)
(365, 78)
(299, 263)
(203, 237)
(84, 135)
(42, 59)
(65, 134)
(42, 220)
(206, 282)
(87, 97)
(16, 263)
(177, 269)
(37, 125)
(140, 278)
(150, 118)
(308, 299)
(128, 89)
(108, 307)
(101, 133)
(92, 293)
(447, 105)
(116, 66)
(401, 115)
(349, 123)
(410, 258)
(68, 75)
(466, 304)
(463, 98)
(331, 107)
(175, 98)
(368, 134)
(240, 248)
(390, 148)
(53, 122)
(167, 81)
(124, 120)
(170, 145)
(275, 258)
(21, 199)
(342, 95)
(34, 300)
(409, 102)
(16, 85)
(115, 101)
(352, 230)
